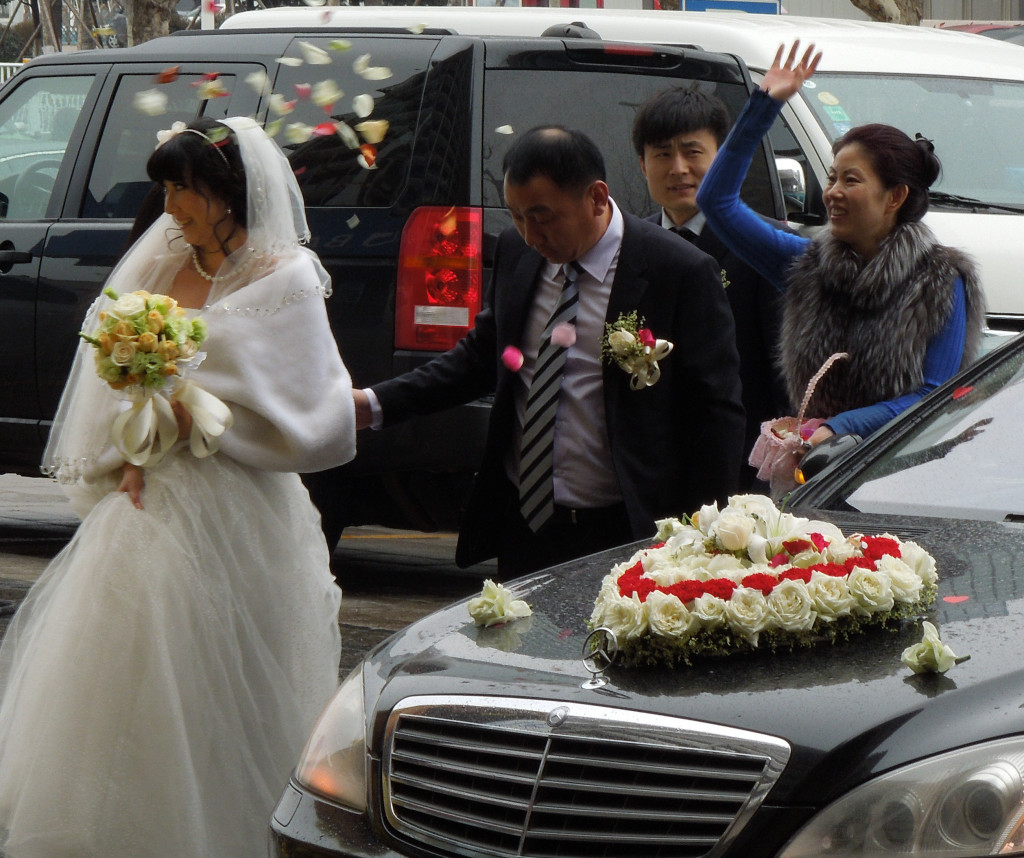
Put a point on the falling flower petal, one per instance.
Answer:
(325, 16)
(512, 358)
(152, 102)
(365, 164)
(325, 129)
(361, 63)
(303, 91)
(298, 132)
(289, 61)
(373, 130)
(213, 7)
(211, 89)
(168, 75)
(314, 55)
(349, 136)
(325, 93)
(416, 28)
(259, 81)
(563, 336)
(340, 45)
(504, 129)
(376, 73)
(353, 222)
(369, 154)
(362, 105)
(274, 127)
(280, 106)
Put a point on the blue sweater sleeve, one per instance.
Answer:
(942, 361)
(759, 244)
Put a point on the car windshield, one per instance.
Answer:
(985, 163)
(962, 458)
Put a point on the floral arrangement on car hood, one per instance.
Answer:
(751, 576)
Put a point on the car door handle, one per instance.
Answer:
(13, 257)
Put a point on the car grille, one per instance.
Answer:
(491, 776)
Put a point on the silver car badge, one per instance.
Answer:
(600, 650)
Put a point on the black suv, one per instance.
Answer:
(405, 225)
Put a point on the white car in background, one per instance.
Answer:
(964, 92)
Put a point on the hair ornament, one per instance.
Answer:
(921, 140)
(217, 137)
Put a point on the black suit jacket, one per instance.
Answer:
(675, 445)
(757, 313)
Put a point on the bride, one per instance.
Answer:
(159, 681)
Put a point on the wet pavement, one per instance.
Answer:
(390, 578)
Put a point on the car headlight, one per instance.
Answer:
(334, 761)
(964, 803)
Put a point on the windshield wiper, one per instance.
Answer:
(943, 199)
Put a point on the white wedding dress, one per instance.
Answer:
(164, 673)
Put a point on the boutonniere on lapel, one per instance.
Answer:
(635, 349)
(725, 280)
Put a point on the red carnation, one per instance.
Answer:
(796, 574)
(686, 591)
(720, 588)
(877, 547)
(761, 581)
(835, 570)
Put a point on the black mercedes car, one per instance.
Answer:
(456, 739)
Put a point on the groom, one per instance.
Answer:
(613, 458)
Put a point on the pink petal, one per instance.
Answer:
(512, 358)
(563, 335)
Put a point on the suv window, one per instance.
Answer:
(118, 181)
(36, 122)
(327, 166)
(511, 99)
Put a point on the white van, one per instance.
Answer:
(964, 92)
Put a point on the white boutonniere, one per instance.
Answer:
(635, 349)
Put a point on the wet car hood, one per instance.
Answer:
(849, 711)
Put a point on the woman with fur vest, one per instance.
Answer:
(876, 284)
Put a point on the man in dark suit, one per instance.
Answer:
(676, 135)
(605, 460)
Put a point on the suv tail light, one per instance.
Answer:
(439, 277)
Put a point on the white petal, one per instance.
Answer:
(504, 129)
(298, 132)
(314, 55)
(289, 61)
(373, 130)
(376, 73)
(365, 164)
(152, 102)
(350, 138)
(362, 105)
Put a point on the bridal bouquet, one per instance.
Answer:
(143, 340)
(750, 577)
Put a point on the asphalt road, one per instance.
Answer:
(390, 578)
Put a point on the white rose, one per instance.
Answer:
(733, 532)
(754, 505)
(842, 550)
(128, 306)
(669, 618)
(707, 516)
(871, 589)
(747, 613)
(726, 566)
(621, 343)
(495, 604)
(792, 607)
(710, 610)
(920, 561)
(905, 582)
(626, 618)
(931, 655)
(831, 595)
(667, 528)
(123, 353)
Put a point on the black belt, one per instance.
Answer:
(589, 515)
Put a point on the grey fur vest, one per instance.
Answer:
(882, 312)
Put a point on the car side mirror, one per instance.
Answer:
(824, 454)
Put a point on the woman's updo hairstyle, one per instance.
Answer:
(205, 157)
(898, 160)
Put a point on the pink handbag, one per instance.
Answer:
(783, 441)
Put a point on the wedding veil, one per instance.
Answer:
(79, 444)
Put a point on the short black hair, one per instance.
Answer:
(678, 111)
(568, 157)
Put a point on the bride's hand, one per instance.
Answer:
(784, 79)
(184, 418)
(133, 481)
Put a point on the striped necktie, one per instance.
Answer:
(536, 487)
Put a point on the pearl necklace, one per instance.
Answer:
(202, 272)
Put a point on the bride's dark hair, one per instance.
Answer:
(204, 157)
